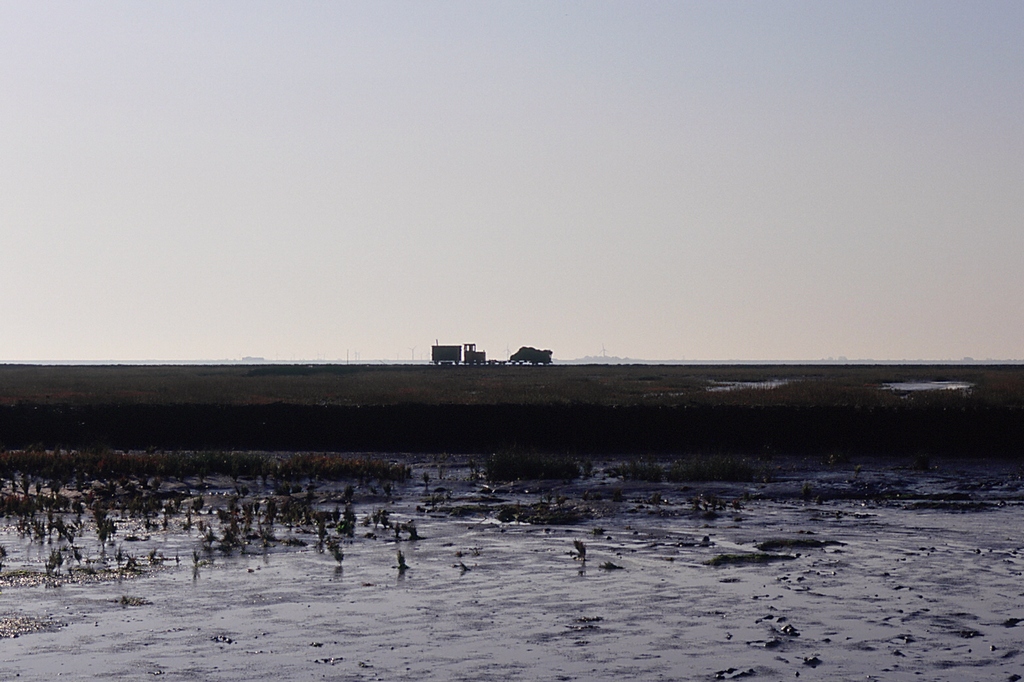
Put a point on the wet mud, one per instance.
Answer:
(872, 578)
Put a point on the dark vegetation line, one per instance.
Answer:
(609, 385)
(573, 429)
(103, 464)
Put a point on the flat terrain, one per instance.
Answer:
(961, 411)
(607, 385)
(762, 522)
(863, 569)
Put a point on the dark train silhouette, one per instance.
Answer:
(467, 354)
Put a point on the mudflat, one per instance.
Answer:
(833, 568)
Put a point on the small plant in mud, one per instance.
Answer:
(347, 524)
(321, 533)
(334, 547)
(208, 537)
(410, 528)
(267, 537)
(105, 527)
(837, 458)
(380, 517)
(54, 562)
(580, 553)
(402, 566)
(3, 556)
(806, 490)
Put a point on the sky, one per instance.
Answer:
(661, 180)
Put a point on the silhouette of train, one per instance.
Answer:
(467, 354)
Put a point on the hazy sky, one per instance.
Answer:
(711, 180)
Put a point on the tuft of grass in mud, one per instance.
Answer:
(921, 463)
(690, 469)
(744, 559)
(641, 470)
(517, 465)
(714, 468)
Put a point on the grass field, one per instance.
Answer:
(634, 409)
(617, 385)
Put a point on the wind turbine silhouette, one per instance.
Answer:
(604, 353)
(412, 351)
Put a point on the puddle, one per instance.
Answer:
(720, 386)
(928, 386)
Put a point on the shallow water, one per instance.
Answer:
(922, 588)
(929, 386)
(720, 386)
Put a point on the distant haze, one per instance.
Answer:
(659, 180)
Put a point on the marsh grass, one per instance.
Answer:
(641, 470)
(519, 465)
(101, 464)
(724, 468)
(594, 385)
(712, 468)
